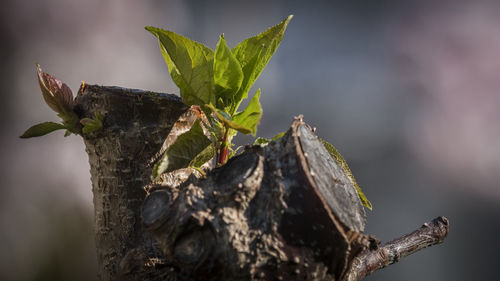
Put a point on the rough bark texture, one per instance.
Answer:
(136, 125)
(282, 212)
(286, 211)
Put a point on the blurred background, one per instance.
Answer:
(408, 91)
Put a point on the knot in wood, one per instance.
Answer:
(155, 208)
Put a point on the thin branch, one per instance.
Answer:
(429, 234)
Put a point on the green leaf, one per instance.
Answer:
(204, 156)
(228, 121)
(250, 117)
(341, 161)
(263, 141)
(190, 64)
(183, 151)
(42, 129)
(278, 136)
(228, 74)
(92, 124)
(244, 122)
(254, 53)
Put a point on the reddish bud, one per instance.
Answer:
(56, 94)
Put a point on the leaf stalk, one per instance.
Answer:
(224, 149)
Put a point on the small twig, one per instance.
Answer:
(371, 260)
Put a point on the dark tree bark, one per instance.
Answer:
(286, 211)
(136, 125)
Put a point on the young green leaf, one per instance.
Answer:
(263, 141)
(250, 117)
(92, 124)
(174, 72)
(42, 129)
(341, 161)
(278, 136)
(228, 74)
(254, 53)
(218, 82)
(190, 64)
(228, 121)
(183, 151)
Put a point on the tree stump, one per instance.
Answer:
(286, 211)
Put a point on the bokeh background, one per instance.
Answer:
(408, 91)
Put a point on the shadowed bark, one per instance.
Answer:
(136, 125)
(286, 211)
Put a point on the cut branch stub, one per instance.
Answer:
(158, 205)
(283, 211)
(330, 181)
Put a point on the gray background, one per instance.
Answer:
(408, 91)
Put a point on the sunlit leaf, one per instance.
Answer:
(228, 74)
(228, 121)
(250, 117)
(218, 81)
(254, 53)
(278, 136)
(263, 141)
(190, 64)
(341, 161)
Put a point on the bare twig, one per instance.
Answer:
(429, 234)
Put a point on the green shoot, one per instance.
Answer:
(217, 81)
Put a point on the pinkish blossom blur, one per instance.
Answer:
(456, 57)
